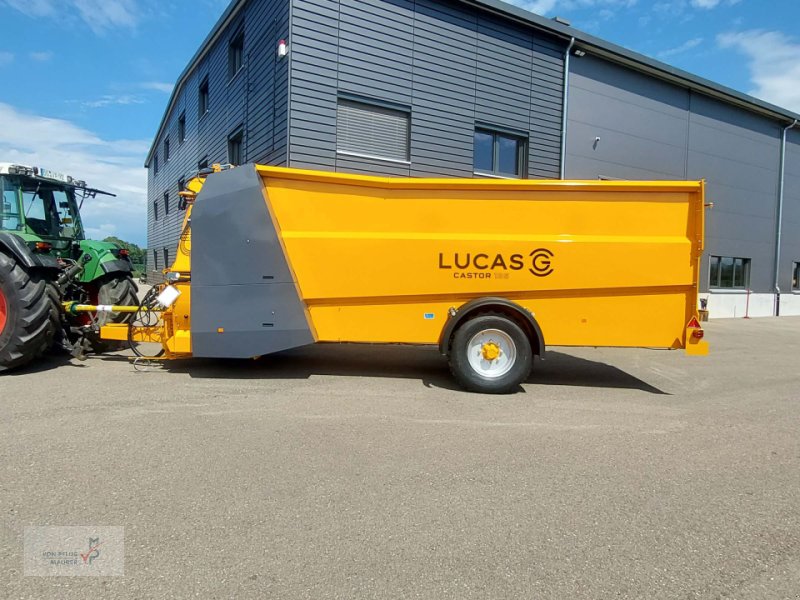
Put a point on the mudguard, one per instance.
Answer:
(502, 305)
(14, 246)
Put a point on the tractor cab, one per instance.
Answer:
(42, 207)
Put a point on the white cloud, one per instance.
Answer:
(110, 165)
(158, 86)
(6, 58)
(110, 100)
(549, 7)
(709, 4)
(100, 15)
(41, 56)
(685, 47)
(772, 63)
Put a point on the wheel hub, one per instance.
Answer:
(3, 311)
(490, 351)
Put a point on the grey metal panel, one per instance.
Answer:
(255, 101)
(642, 127)
(431, 57)
(742, 185)
(790, 246)
(241, 280)
(652, 130)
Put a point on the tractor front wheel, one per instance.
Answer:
(25, 328)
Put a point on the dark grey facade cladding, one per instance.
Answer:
(649, 129)
(454, 65)
(255, 100)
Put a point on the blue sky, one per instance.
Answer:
(85, 82)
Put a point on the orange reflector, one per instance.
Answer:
(698, 334)
(124, 252)
(220, 330)
(43, 247)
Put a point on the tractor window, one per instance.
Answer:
(40, 214)
(9, 206)
(68, 221)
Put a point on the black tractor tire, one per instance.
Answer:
(513, 339)
(120, 290)
(26, 333)
(57, 332)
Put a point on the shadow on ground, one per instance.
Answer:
(405, 362)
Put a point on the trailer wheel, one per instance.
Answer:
(490, 354)
(117, 290)
(24, 315)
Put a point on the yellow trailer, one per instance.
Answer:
(490, 270)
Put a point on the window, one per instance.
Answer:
(166, 149)
(155, 260)
(155, 164)
(10, 218)
(729, 273)
(498, 153)
(166, 258)
(204, 97)
(796, 277)
(181, 184)
(202, 163)
(235, 156)
(182, 128)
(155, 210)
(236, 55)
(166, 203)
(372, 131)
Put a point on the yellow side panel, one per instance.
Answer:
(599, 263)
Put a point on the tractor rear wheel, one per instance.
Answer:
(119, 290)
(25, 326)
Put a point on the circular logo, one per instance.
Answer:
(541, 262)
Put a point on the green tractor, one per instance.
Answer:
(45, 261)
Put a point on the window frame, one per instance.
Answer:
(156, 168)
(237, 137)
(155, 210)
(236, 51)
(155, 259)
(521, 140)
(165, 252)
(796, 277)
(182, 128)
(166, 150)
(372, 103)
(746, 266)
(166, 203)
(203, 163)
(204, 97)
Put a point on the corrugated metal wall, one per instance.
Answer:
(451, 66)
(254, 101)
(649, 129)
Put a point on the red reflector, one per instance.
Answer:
(124, 252)
(693, 324)
(698, 334)
(43, 247)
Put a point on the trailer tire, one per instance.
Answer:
(25, 331)
(490, 354)
(116, 289)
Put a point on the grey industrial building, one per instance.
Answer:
(480, 88)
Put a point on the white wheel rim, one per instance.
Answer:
(492, 353)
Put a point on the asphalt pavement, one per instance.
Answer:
(363, 472)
